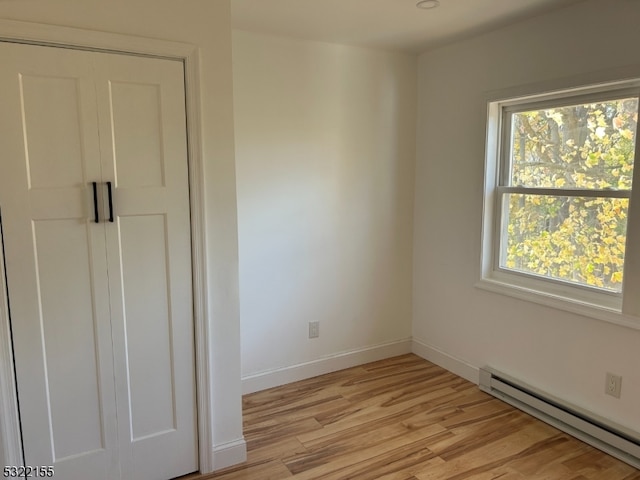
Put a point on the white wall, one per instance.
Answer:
(559, 352)
(325, 149)
(204, 23)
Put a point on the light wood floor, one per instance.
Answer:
(404, 419)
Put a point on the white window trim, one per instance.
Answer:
(586, 301)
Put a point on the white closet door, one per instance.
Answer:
(55, 261)
(101, 312)
(144, 152)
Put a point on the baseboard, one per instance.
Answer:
(339, 361)
(446, 361)
(229, 453)
(332, 363)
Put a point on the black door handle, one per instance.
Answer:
(96, 215)
(110, 195)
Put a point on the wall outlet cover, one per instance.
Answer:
(613, 385)
(314, 329)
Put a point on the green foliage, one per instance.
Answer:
(578, 239)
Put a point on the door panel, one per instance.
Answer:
(143, 123)
(56, 265)
(52, 128)
(137, 134)
(68, 336)
(147, 320)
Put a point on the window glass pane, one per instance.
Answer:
(576, 239)
(588, 146)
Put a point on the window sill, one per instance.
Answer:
(599, 312)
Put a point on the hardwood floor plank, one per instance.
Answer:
(371, 416)
(397, 461)
(371, 464)
(383, 439)
(592, 464)
(278, 450)
(498, 453)
(266, 433)
(404, 419)
(469, 438)
(538, 465)
(274, 470)
(311, 406)
(409, 473)
(632, 476)
(415, 381)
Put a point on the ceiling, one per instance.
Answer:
(387, 24)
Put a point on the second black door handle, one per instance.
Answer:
(110, 196)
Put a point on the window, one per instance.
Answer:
(559, 179)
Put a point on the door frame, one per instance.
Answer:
(80, 39)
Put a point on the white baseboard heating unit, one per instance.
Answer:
(602, 434)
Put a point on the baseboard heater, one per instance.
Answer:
(598, 432)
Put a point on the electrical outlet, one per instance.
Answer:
(613, 385)
(314, 329)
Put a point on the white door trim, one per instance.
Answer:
(40, 34)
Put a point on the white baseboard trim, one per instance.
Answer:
(446, 361)
(328, 364)
(229, 453)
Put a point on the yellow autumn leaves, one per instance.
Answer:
(576, 239)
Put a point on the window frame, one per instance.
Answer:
(588, 300)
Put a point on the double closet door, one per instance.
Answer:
(94, 205)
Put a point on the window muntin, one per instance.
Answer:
(565, 178)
